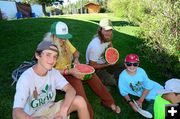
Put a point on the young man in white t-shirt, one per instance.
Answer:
(36, 90)
(95, 52)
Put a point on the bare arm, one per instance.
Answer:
(141, 99)
(98, 66)
(75, 61)
(128, 99)
(144, 94)
(69, 97)
(72, 71)
(76, 57)
(18, 113)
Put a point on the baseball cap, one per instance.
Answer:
(106, 24)
(171, 86)
(60, 30)
(132, 58)
(46, 45)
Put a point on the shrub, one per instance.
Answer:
(159, 24)
(102, 10)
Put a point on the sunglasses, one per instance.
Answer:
(132, 64)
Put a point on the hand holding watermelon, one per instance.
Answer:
(74, 72)
(82, 71)
(76, 61)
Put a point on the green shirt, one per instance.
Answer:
(159, 107)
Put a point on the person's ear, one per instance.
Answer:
(37, 56)
(125, 64)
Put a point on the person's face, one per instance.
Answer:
(131, 66)
(47, 59)
(177, 98)
(62, 41)
(174, 98)
(107, 34)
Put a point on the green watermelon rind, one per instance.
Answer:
(87, 76)
(106, 58)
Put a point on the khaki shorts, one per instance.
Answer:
(49, 110)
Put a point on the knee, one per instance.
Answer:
(80, 102)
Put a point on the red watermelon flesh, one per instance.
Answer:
(111, 55)
(86, 70)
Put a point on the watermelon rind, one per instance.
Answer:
(86, 76)
(111, 48)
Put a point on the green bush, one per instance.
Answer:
(102, 10)
(117, 7)
(159, 24)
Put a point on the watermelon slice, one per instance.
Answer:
(111, 55)
(86, 70)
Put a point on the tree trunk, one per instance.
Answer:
(44, 8)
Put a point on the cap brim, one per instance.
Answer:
(131, 61)
(164, 91)
(67, 36)
(108, 28)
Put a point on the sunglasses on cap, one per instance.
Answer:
(132, 64)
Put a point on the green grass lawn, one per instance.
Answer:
(19, 38)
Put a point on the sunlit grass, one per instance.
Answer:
(19, 38)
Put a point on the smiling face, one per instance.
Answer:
(131, 67)
(47, 59)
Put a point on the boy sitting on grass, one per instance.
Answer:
(36, 90)
(134, 80)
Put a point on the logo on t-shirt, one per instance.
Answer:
(45, 95)
(172, 111)
(137, 87)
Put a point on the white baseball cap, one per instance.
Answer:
(106, 24)
(60, 30)
(171, 86)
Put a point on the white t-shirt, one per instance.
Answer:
(95, 51)
(34, 91)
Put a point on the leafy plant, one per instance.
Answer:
(159, 25)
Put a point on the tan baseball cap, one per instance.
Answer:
(106, 24)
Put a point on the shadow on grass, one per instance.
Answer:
(169, 66)
(19, 39)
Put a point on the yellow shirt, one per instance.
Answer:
(64, 60)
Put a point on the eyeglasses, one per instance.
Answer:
(132, 64)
